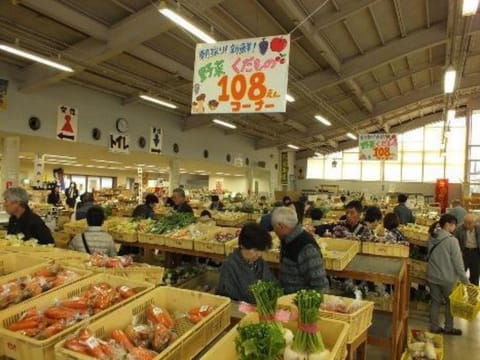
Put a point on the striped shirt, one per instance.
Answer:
(98, 240)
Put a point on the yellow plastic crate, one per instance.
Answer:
(334, 334)
(337, 253)
(385, 249)
(465, 301)
(192, 338)
(19, 347)
(11, 263)
(359, 320)
(153, 239)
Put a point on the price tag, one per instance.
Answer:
(204, 308)
(157, 311)
(92, 342)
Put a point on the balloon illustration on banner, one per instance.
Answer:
(241, 76)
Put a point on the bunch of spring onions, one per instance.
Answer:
(307, 342)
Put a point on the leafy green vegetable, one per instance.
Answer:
(308, 303)
(172, 223)
(262, 341)
(266, 295)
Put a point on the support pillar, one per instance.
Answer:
(10, 162)
(174, 174)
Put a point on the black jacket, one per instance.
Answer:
(32, 226)
(184, 208)
(54, 198)
(72, 196)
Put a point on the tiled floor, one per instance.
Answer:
(463, 347)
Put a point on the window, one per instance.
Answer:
(420, 157)
(475, 128)
(315, 168)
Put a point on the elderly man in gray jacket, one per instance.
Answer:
(468, 235)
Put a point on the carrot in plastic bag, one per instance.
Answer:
(126, 291)
(75, 303)
(24, 325)
(140, 353)
(59, 313)
(94, 348)
(122, 339)
(157, 315)
(76, 345)
(51, 330)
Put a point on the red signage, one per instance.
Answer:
(441, 193)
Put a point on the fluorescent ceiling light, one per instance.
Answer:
(187, 25)
(294, 147)
(158, 101)
(219, 173)
(33, 57)
(469, 7)
(106, 161)
(451, 115)
(60, 156)
(449, 80)
(318, 154)
(351, 136)
(289, 98)
(224, 123)
(323, 120)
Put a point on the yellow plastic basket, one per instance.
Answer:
(465, 301)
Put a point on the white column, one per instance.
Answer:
(174, 174)
(38, 169)
(291, 170)
(249, 185)
(10, 161)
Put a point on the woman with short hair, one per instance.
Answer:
(245, 266)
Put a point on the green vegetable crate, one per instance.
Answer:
(334, 333)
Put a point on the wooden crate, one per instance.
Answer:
(82, 274)
(359, 320)
(11, 263)
(16, 346)
(337, 253)
(192, 338)
(334, 334)
(385, 249)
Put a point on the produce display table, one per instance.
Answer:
(389, 329)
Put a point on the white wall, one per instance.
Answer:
(101, 110)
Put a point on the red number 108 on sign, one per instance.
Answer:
(238, 86)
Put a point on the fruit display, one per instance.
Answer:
(143, 339)
(40, 281)
(44, 323)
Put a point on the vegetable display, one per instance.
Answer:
(224, 236)
(266, 295)
(307, 342)
(44, 323)
(42, 280)
(172, 223)
(262, 341)
(141, 340)
(102, 260)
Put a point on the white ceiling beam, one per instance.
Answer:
(123, 36)
(377, 26)
(393, 50)
(408, 100)
(358, 92)
(61, 12)
(400, 18)
(348, 9)
(297, 15)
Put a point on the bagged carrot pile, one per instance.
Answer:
(41, 324)
(26, 287)
(141, 340)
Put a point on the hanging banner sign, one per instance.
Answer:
(67, 122)
(378, 146)
(119, 143)
(3, 94)
(241, 76)
(156, 138)
(284, 168)
(38, 169)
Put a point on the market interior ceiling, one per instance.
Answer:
(74, 156)
(365, 65)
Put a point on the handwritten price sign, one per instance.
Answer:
(241, 76)
(378, 147)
